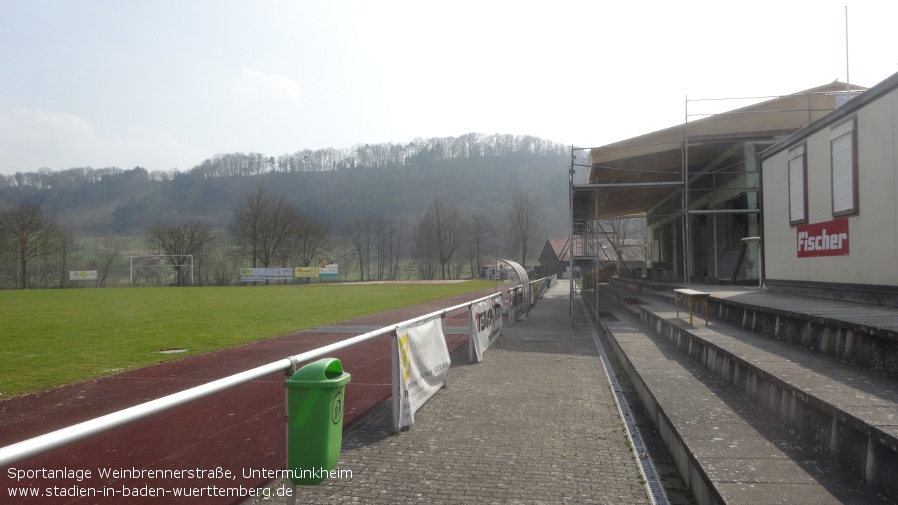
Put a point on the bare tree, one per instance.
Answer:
(460, 259)
(222, 266)
(345, 255)
(25, 230)
(359, 234)
(424, 252)
(524, 225)
(109, 251)
(383, 250)
(397, 227)
(479, 231)
(389, 231)
(442, 229)
(65, 244)
(310, 239)
(178, 242)
(262, 226)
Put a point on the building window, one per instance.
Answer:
(843, 141)
(798, 186)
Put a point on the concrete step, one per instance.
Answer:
(851, 414)
(861, 334)
(726, 449)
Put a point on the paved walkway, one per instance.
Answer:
(535, 422)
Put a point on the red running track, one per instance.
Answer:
(238, 430)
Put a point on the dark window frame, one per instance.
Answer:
(804, 182)
(855, 196)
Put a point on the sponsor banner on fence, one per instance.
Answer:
(423, 365)
(486, 325)
(253, 274)
(306, 272)
(328, 270)
(82, 275)
(265, 274)
(280, 274)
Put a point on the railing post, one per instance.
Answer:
(394, 373)
(291, 497)
(443, 327)
(512, 295)
(472, 331)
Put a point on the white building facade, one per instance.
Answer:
(830, 216)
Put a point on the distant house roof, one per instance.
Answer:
(639, 164)
(560, 247)
(555, 249)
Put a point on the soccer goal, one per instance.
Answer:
(157, 267)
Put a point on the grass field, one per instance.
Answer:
(53, 337)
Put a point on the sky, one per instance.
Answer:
(166, 84)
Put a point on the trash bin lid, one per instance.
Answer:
(324, 373)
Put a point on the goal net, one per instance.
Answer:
(161, 269)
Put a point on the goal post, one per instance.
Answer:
(160, 261)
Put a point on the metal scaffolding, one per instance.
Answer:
(698, 185)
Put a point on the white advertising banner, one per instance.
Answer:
(280, 274)
(253, 274)
(423, 366)
(486, 326)
(265, 274)
(82, 275)
(329, 270)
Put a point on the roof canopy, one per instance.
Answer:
(631, 176)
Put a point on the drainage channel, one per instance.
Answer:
(646, 465)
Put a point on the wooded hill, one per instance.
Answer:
(481, 172)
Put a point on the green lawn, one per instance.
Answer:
(53, 337)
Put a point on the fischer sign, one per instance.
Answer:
(823, 239)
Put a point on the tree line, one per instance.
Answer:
(430, 209)
(419, 151)
(266, 230)
(471, 171)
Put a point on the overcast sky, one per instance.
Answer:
(166, 84)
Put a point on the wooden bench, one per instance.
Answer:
(692, 297)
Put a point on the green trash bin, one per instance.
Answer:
(315, 420)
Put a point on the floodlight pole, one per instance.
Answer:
(570, 198)
(685, 202)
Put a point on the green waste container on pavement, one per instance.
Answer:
(315, 420)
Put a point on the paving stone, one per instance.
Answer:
(535, 422)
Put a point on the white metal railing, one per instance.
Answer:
(43, 443)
